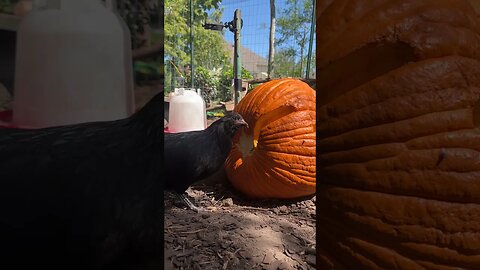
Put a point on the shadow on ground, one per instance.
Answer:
(235, 232)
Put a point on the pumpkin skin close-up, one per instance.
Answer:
(275, 156)
(398, 128)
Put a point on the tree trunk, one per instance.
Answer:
(271, 50)
(302, 48)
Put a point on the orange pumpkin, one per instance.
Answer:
(275, 157)
(398, 135)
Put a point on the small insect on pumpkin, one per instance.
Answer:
(275, 156)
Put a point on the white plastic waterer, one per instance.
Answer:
(187, 111)
(73, 64)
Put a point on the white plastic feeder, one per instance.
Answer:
(73, 64)
(187, 111)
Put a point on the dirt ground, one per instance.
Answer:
(234, 232)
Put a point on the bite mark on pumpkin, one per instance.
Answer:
(246, 144)
(441, 157)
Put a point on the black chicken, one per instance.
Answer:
(192, 156)
(87, 195)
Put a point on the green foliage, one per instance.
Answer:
(206, 80)
(217, 83)
(176, 29)
(148, 70)
(293, 28)
(286, 64)
(210, 53)
(138, 14)
(225, 85)
(209, 49)
(7, 6)
(246, 75)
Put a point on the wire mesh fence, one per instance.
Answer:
(276, 40)
(292, 27)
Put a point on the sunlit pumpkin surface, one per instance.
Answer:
(275, 157)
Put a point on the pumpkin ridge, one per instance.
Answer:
(377, 242)
(374, 250)
(293, 184)
(263, 94)
(287, 133)
(294, 131)
(268, 117)
(394, 182)
(294, 142)
(345, 168)
(337, 251)
(452, 120)
(276, 165)
(436, 79)
(304, 173)
(338, 49)
(413, 144)
(332, 41)
(427, 205)
(449, 25)
(284, 153)
(301, 190)
(463, 138)
(278, 141)
(263, 187)
(346, 49)
(384, 113)
(293, 150)
(287, 85)
(431, 74)
(416, 117)
(440, 158)
(296, 178)
(381, 203)
(361, 154)
(430, 169)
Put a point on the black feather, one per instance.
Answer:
(89, 192)
(192, 156)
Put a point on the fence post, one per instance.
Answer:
(312, 30)
(237, 65)
(191, 46)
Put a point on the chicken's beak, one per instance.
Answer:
(241, 122)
